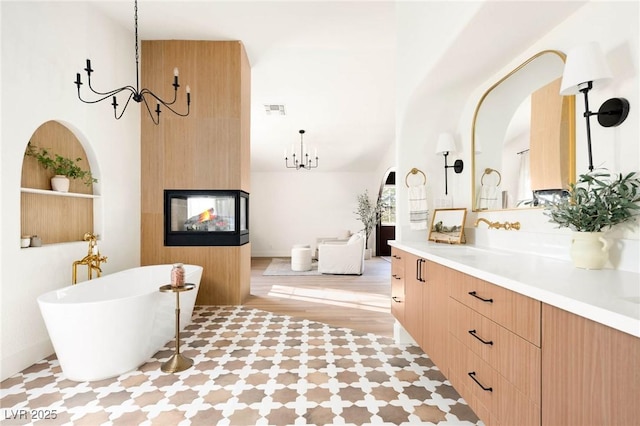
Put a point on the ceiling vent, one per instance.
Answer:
(274, 109)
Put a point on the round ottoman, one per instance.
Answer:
(300, 258)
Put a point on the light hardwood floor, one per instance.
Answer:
(358, 302)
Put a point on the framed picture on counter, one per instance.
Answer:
(447, 226)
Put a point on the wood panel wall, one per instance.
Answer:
(552, 155)
(209, 149)
(55, 218)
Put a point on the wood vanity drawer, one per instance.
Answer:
(397, 262)
(515, 312)
(513, 357)
(397, 284)
(488, 393)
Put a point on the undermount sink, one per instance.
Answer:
(464, 250)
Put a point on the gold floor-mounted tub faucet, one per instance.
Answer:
(497, 225)
(93, 259)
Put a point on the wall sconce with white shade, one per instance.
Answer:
(445, 145)
(585, 69)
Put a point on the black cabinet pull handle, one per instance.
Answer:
(419, 276)
(395, 299)
(474, 294)
(473, 377)
(473, 333)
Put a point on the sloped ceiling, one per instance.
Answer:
(334, 64)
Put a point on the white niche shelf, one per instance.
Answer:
(58, 194)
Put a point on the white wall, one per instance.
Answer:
(615, 26)
(296, 207)
(39, 62)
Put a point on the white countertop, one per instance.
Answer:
(607, 296)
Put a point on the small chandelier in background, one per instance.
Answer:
(303, 161)
(135, 93)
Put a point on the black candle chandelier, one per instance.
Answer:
(304, 161)
(134, 92)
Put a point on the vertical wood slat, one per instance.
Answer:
(56, 219)
(413, 310)
(549, 148)
(590, 372)
(245, 117)
(209, 149)
(435, 331)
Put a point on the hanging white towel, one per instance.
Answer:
(488, 197)
(418, 208)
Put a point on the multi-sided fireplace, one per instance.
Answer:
(197, 217)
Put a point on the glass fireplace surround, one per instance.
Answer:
(199, 217)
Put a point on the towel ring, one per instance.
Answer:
(414, 171)
(488, 171)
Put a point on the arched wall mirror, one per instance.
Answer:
(523, 137)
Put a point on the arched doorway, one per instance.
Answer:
(386, 227)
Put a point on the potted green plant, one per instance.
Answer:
(595, 203)
(63, 168)
(369, 214)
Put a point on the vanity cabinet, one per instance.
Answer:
(517, 360)
(435, 331)
(495, 351)
(515, 312)
(422, 313)
(415, 273)
(590, 372)
(397, 284)
(454, 316)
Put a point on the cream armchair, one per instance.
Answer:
(342, 257)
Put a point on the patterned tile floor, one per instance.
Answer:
(250, 368)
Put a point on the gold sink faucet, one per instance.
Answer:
(497, 225)
(93, 259)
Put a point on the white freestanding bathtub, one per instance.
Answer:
(110, 325)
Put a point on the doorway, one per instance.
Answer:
(386, 227)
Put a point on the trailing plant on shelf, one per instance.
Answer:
(597, 201)
(368, 213)
(61, 166)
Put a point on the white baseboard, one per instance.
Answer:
(401, 336)
(271, 254)
(16, 362)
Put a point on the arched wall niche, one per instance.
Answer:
(55, 217)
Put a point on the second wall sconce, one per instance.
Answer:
(585, 69)
(445, 145)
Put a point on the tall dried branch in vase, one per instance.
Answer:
(369, 214)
